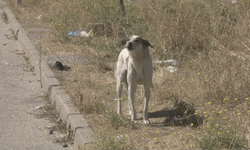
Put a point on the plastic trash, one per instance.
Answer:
(234, 1)
(114, 99)
(86, 33)
(91, 33)
(75, 34)
(83, 33)
(171, 62)
(172, 69)
(40, 106)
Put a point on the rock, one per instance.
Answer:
(50, 131)
(65, 145)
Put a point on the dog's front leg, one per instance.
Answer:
(146, 101)
(131, 97)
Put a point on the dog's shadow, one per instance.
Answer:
(176, 117)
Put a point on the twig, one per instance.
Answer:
(125, 31)
(245, 46)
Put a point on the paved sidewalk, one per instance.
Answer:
(20, 94)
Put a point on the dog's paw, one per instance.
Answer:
(129, 113)
(119, 111)
(135, 122)
(146, 122)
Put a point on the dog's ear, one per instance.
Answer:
(124, 41)
(146, 43)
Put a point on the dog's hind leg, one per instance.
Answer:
(119, 96)
(121, 80)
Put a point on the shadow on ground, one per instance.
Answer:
(182, 115)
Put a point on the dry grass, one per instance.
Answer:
(204, 105)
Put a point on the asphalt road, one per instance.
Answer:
(20, 94)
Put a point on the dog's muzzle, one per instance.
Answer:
(130, 46)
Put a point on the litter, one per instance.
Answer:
(115, 99)
(234, 1)
(59, 66)
(171, 62)
(38, 107)
(86, 33)
(119, 138)
(58, 120)
(83, 33)
(172, 69)
(75, 34)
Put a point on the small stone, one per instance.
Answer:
(50, 131)
(65, 145)
(40, 106)
(58, 120)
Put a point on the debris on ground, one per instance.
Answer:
(171, 69)
(59, 66)
(119, 137)
(38, 107)
(171, 62)
(86, 33)
(65, 145)
(51, 131)
(58, 120)
(83, 33)
(74, 34)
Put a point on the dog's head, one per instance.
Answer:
(135, 43)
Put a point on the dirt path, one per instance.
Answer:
(20, 94)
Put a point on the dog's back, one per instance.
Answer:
(122, 62)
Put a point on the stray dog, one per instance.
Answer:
(134, 67)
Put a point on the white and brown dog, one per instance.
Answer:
(134, 67)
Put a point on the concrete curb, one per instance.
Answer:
(69, 114)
